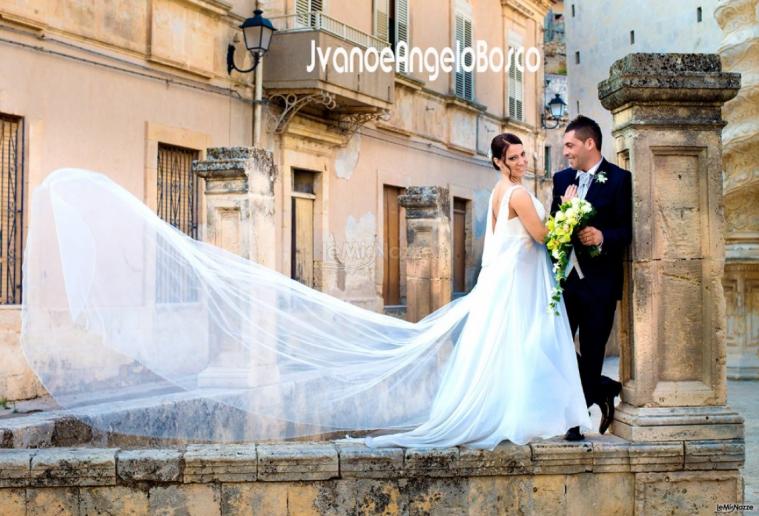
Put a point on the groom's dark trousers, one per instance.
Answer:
(591, 301)
(594, 318)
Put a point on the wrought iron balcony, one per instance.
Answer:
(349, 98)
(317, 20)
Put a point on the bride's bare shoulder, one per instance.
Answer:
(520, 193)
(520, 198)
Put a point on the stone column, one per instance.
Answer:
(667, 123)
(240, 201)
(740, 158)
(428, 258)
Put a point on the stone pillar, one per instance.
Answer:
(240, 201)
(667, 123)
(740, 159)
(428, 258)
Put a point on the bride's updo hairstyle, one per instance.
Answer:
(500, 144)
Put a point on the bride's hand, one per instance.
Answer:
(569, 193)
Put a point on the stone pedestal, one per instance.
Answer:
(667, 124)
(428, 259)
(239, 199)
(740, 158)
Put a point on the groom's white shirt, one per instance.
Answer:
(582, 191)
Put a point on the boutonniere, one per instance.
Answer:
(601, 177)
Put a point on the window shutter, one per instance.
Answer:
(516, 91)
(464, 80)
(519, 95)
(468, 76)
(302, 8)
(305, 11)
(459, 70)
(401, 26)
(381, 29)
(512, 88)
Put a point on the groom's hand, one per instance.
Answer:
(590, 236)
(569, 193)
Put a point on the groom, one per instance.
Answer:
(594, 284)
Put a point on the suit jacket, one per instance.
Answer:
(613, 203)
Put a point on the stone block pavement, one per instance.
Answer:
(744, 397)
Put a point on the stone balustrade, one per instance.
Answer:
(606, 474)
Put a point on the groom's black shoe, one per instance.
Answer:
(607, 407)
(573, 434)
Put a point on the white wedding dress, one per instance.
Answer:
(136, 328)
(513, 374)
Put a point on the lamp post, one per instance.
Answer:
(557, 107)
(257, 32)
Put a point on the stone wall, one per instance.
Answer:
(605, 476)
(17, 381)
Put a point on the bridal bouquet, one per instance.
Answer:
(571, 215)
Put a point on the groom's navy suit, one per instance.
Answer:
(591, 301)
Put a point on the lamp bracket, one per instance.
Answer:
(231, 61)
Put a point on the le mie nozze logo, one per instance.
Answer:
(433, 61)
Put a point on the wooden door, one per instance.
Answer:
(303, 200)
(459, 245)
(391, 288)
(303, 240)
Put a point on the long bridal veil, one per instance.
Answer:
(138, 329)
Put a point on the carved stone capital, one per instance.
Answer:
(237, 170)
(695, 80)
(426, 202)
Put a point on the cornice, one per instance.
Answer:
(409, 82)
(213, 6)
(528, 8)
(22, 21)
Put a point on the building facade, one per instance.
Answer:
(140, 92)
(555, 45)
(740, 53)
(596, 37)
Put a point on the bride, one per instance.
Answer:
(513, 374)
(137, 329)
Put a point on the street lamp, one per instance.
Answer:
(257, 32)
(557, 107)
